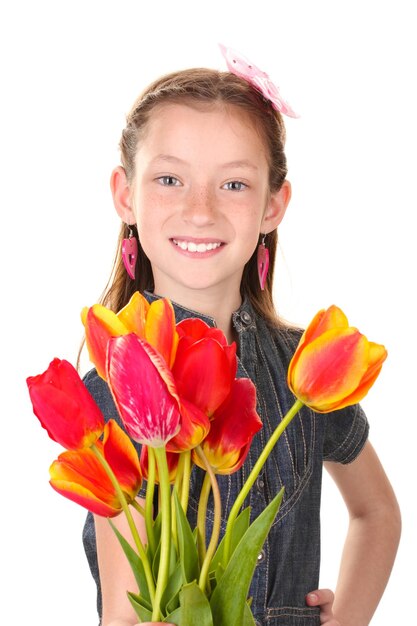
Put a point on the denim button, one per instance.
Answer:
(260, 484)
(246, 317)
(261, 556)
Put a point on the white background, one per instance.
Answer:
(70, 72)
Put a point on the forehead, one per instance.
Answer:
(182, 126)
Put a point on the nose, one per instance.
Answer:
(199, 208)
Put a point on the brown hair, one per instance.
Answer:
(199, 87)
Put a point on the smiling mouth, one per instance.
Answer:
(192, 246)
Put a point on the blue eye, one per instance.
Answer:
(169, 181)
(235, 185)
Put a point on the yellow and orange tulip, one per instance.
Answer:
(155, 323)
(334, 365)
(79, 475)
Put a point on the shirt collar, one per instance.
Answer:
(244, 313)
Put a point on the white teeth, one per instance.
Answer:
(196, 247)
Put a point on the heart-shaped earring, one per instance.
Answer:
(130, 253)
(263, 263)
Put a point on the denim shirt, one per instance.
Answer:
(288, 565)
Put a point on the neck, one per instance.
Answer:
(214, 303)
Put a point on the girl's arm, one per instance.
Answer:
(116, 576)
(372, 539)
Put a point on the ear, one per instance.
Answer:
(121, 193)
(276, 207)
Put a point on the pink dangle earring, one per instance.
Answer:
(130, 253)
(263, 262)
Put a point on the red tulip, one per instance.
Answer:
(79, 475)
(231, 433)
(144, 390)
(334, 365)
(205, 365)
(64, 406)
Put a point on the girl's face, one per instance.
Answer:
(200, 197)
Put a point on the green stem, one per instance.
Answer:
(216, 522)
(165, 493)
(138, 507)
(254, 474)
(201, 517)
(150, 489)
(130, 521)
(186, 480)
(177, 488)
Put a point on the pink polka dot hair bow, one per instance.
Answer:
(242, 67)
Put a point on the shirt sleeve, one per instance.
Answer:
(346, 432)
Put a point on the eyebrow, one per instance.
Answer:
(169, 158)
(243, 163)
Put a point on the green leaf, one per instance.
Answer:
(172, 560)
(186, 545)
(195, 607)
(248, 619)
(229, 608)
(135, 563)
(240, 526)
(174, 617)
(140, 607)
(170, 597)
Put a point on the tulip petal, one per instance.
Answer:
(64, 406)
(143, 389)
(227, 444)
(122, 457)
(323, 321)
(203, 374)
(194, 329)
(194, 428)
(133, 315)
(329, 368)
(79, 476)
(100, 325)
(377, 356)
(160, 329)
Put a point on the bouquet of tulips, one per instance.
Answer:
(175, 389)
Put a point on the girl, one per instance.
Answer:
(201, 189)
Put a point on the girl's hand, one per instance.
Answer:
(323, 598)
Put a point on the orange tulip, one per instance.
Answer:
(79, 475)
(65, 407)
(334, 365)
(155, 323)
